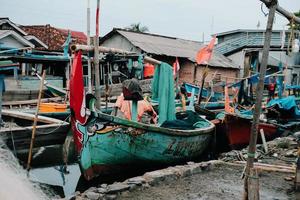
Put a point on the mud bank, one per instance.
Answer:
(207, 180)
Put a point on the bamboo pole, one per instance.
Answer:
(111, 50)
(96, 59)
(88, 33)
(202, 84)
(35, 121)
(259, 96)
(270, 166)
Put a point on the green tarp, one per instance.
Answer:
(163, 92)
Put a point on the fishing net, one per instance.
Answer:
(187, 120)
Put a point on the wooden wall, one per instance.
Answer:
(189, 74)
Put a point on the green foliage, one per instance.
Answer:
(296, 26)
(137, 28)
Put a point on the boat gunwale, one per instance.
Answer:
(29, 128)
(152, 128)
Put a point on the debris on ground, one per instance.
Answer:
(280, 151)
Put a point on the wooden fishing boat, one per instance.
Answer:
(17, 134)
(120, 142)
(107, 142)
(50, 107)
(238, 130)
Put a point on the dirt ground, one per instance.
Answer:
(221, 182)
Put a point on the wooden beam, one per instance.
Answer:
(28, 116)
(35, 121)
(102, 49)
(282, 11)
(30, 102)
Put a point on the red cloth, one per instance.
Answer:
(204, 54)
(77, 93)
(77, 99)
(272, 86)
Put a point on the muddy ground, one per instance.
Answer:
(212, 180)
(221, 182)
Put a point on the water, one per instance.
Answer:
(14, 184)
(57, 176)
(54, 171)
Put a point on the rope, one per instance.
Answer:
(56, 128)
(262, 10)
(251, 155)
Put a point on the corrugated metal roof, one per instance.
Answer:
(174, 47)
(249, 31)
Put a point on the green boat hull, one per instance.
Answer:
(138, 145)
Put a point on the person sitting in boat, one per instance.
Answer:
(182, 95)
(271, 88)
(123, 106)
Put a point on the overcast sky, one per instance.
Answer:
(187, 19)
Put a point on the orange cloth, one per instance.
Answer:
(228, 108)
(143, 106)
(204, 54)
(148, 70)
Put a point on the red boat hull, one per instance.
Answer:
(238, 131)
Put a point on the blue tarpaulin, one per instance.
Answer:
(286, 104)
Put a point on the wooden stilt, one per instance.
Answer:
(35, 121)
(253, 186)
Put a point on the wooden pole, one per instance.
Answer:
(35, 121)
(96, 59)
(253, 185)
(259, 95)
(284, 12)
(202, 84)
(111, 50)
(88, 33)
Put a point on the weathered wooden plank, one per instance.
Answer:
(29, 102)
(29, 116)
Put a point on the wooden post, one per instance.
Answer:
(263, 139)
(88, 34)
(204, 74)
(97, 73)
(96, 59)
(35, 121)
(253, 186)
(259, 95)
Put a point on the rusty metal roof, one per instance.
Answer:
(171, 46)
